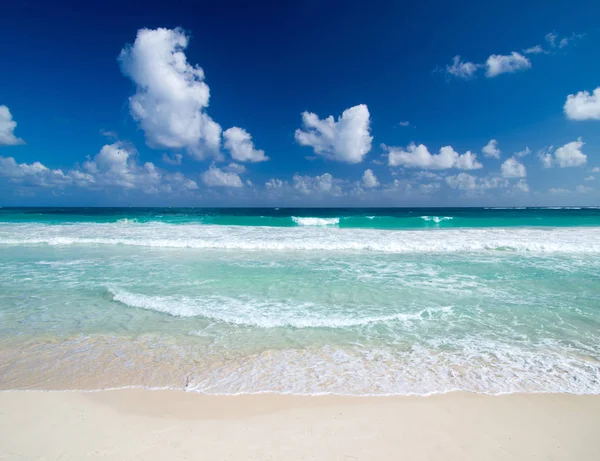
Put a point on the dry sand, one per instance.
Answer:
(175, 425)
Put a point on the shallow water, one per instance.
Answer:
(113, 298)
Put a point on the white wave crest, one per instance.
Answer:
(316, 221)
(437, 219)
(580, 240)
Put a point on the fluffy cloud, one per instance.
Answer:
(419, 157)
(589, 178)
(405, 123)
(348, 140)
(171, 94)
(324, 183)
(512, 168)
(583, 105)
(33, 174)
(462, 69)
(115, 166)
(491, 149)
(216, 177)
(468, 182)
(7, 129)
(369, 179)
(239, 144)
(583, 189)
(569, 155)
(498, 64)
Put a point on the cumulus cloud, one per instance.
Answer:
(239, 144)
(521, 186)
(512, 168)
(369, 179)
(418, 156)
(7, 128)
(405, 123)
(470, 183)
(115, 166)
(569, 155)
(216, 177)
(171, 95)
(596, 169)
(346, 140)
(324, 183)
(174, 159)
(491, 149)
(462, 69)
(589, 178)
(498, 64)
(583, 105)
(33, 174)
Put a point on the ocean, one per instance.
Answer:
(301, 301)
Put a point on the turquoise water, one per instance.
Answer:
(308, 301)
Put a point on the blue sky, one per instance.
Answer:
(111, 108)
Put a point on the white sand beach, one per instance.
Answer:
(176, 425)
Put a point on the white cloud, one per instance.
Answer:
(174, 159)
(215, 177)
(7, 129)
(523, 153)
(557, 42)
(583, 105)
(590, 178)
(33, 174)
(369, 179)
(235, 168)
(558, 191)
(115, 166)
(275, 184)
(551, 38)
(462, 69)
(537, 49)
(171, 94)
(512, 168)
(583, 189)
(348, 140)
(324, 183)
(521, 186)
(468, 182)
(491, 149)
(498, 64)
(239, 143)
(596, 169)
(405, 123)
(569, 155)
(419, 157)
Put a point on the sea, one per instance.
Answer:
(399, 301)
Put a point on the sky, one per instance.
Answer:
(306, 103)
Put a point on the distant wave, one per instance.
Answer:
(437, 219)
(316, 221)
(308, 238)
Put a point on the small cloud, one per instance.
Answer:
(523, 153)
(498, 64)
(491, 149)
(7, 129)
(174, 159)
(583, 105)
(404, 123)
(462, 69)
(537, 49)
(590, 178)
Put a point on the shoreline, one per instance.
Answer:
(136, 424)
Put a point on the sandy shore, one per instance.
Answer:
(174, 425)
